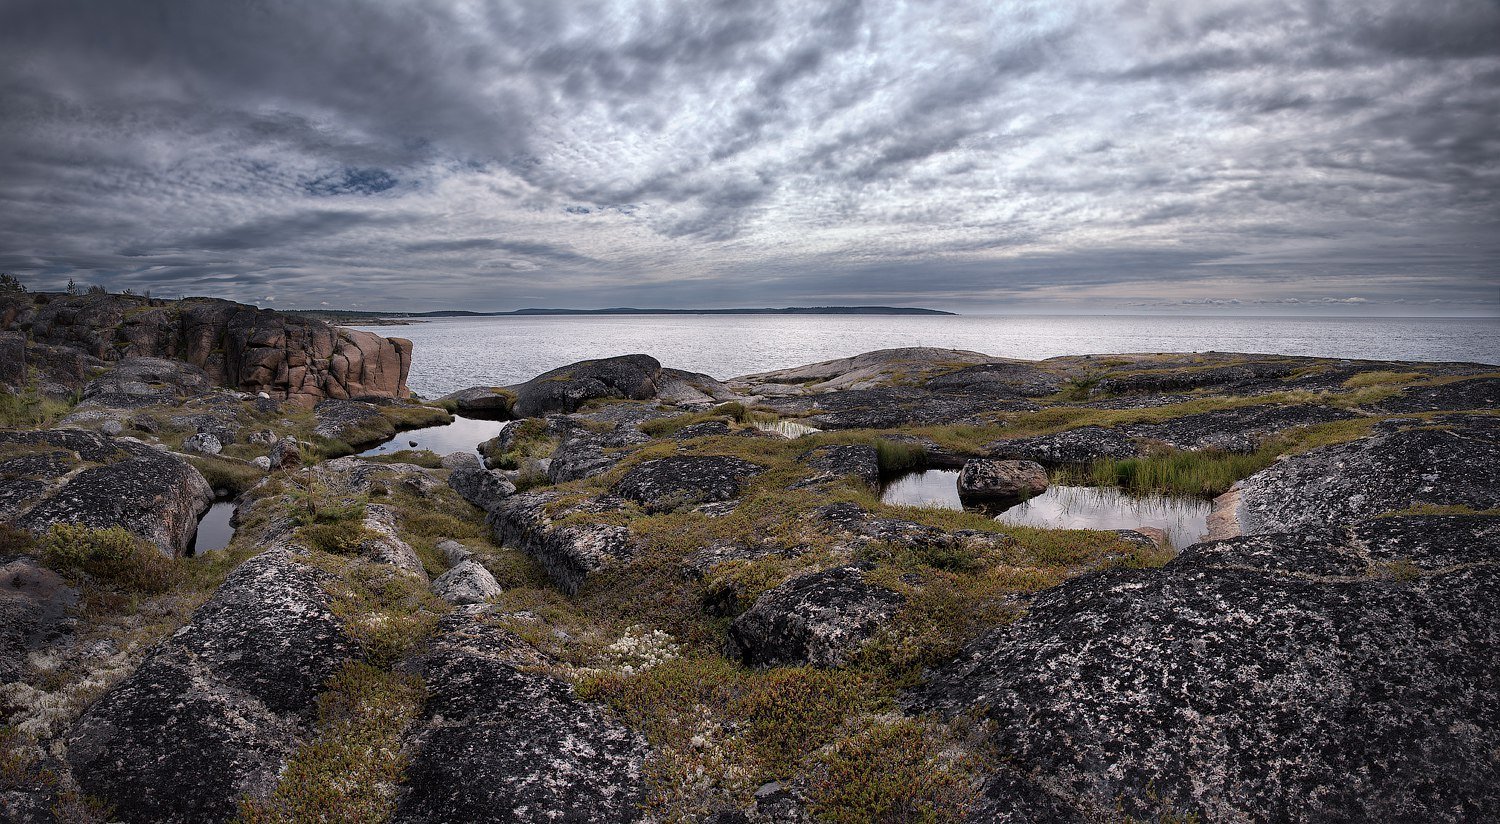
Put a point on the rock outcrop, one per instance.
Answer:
(488, 402)
(1321, 676)
(35, 609)
(71, 476)
(1074, 446)
(484, 488)
(632, 377)
(467, 582)
(821, 619)
(861, 461)
(354, 422)
(214, 712)
(667, 483)
(571, 552)
(988, 478)
(503, 742)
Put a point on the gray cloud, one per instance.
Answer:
(1104, 153)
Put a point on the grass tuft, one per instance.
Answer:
(110, 555)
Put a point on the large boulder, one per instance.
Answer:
(1322, 676)
(570, 552)
(822, 619)
(71, 476)
(503, 741)
(633, 377)
(484, 488)
(999, 479)
(467, 582)
(1456, 465)
(488, 402)
(233, 689)
(36, 607)
(667, 483)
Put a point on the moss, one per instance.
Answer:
(1364, 379)
(351, 769)
(897, 771)
(1440, 509)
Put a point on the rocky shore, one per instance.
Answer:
(661, 596)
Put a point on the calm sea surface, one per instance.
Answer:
(458, 352)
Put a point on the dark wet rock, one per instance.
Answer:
(1479, 393)
(570, 552)
(1244, 377)
(567, 388)
(1003, 479)
(35, 605)
(893, 406)
(467, 582)
(840, 461)
(216, 709)
(667, 483)
(586, 452)
(821, 619)
(1457, 466)
(202, 443)
(1075, 446)
(484, 488)
(504, 742)
(149, 492)
(354, 422)
(1235, 430)
(488, 402)
(1022, 379)
(1281, 677)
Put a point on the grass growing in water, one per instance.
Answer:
(900, 456)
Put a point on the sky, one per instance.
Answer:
(1267, 156)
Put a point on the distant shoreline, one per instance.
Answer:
(371, 318)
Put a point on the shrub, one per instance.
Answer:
(111, 555)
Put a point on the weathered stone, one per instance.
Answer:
(892, 406)
(202, 443)
(691, 389)
(862, 461)
(1457, 465)
(868, 529)
(504, 742)
(1075, 446)
(384, 544)
(1284, 677)
(569, 553)
(1023, 379)
(353, 422)
(286, 454)
(1244, 377)
(1235, 430)
(567, 388)
(867, 370)
(467, 582)
(993, 478)
(821, 619)
(233, 689)
(584, 452)
(149, 492)
(12, 360)
(484, 488)
(34, 611)
(1479, 393)
(262, 463)
(667, 483)
(454, 552)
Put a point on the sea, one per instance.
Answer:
(453, 353)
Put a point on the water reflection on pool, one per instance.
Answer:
(463, 435)
(1184, 519)
(214, 529)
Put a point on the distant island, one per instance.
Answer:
(351, 315)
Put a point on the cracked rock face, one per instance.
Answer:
(667, 483)
(216, 709)
(1455, 465)
(821, 619)
(78, 477)
(484, 488)
(504, 743)
(569, 553)
(583, 452)
(1275, 677)
(633, 377)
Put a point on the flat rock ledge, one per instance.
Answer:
(570, 553)
(664, 484)
(821, 619)
(214, 711)
(1336, 675)
(502, 742)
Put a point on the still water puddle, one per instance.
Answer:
(463, 435)
(214, 529)
(1184, 519)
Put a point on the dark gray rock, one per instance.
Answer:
(586, 452)
(822, 619)
(1075, 446)
(1002, 479)
(35, 607)
(1284, 677)
(565, 389)
(570, 553)
(467, 582)
(143, 381)
(706, 429)
(488, 402)
(1247, 377)
(202, 443)
(149, 492)
(286, 454)
(1023, 379)
(504, 742)
(1458, 465)
(1479, 393)
(667, 483)
(851, 519)
(691, 389)
(383, 543)
(354, 422)
(13, 360)
(484, 488)
(214, 712)
(892, 406)
(1235, 430)
(840, 461)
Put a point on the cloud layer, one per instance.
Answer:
(1101, 154)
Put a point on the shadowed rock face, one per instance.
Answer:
(1275, 677)
(215, 711)
(667, 483)
(504, 743)
(1458, 464)
(633, 377)
(820, 619)
(289, 357)
(80, 477)
(34, 610)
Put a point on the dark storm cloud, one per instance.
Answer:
(1295, 153)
